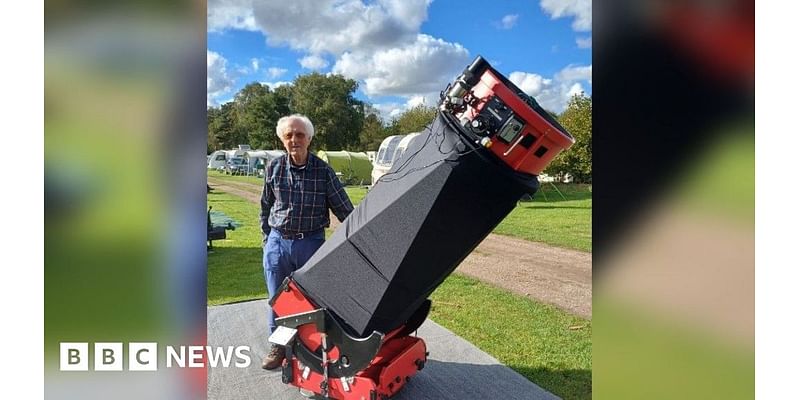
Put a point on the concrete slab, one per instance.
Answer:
(455, 370)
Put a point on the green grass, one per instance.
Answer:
(532, 338)
(236, 178)
(102, 277)
(722, 182)
(234, 267)
(548, 218)
(356, 193)
(555, 221)
(645, 355)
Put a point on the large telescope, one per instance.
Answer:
(346, 317)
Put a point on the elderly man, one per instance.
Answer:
(299, 189)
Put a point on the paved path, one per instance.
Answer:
(455, 370)
(549, 274)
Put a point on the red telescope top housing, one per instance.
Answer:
(504, 119)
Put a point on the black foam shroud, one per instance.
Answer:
(414, 227)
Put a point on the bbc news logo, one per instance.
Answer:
(143, 356)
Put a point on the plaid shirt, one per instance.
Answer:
(296, 200)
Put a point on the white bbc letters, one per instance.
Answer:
(142, 356)
(74, 356)
(108, 356)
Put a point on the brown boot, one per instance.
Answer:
(275, 357)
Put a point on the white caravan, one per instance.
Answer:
(217, 160)
(392, 148)
(258, 159)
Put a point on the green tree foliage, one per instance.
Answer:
(256, 113)
(224, 129)
(250, 118)
(413, 120)
(213, 141)
(577, 160)
(283, 99)
(328, 101)
(372, 133)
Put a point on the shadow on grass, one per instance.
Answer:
(216, 194)
(455, 380)
(565, 383)
(547, 194)
(224, 201)
(539, 206)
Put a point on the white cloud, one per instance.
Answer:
(218, 81)
(254, 64)
(576, 88)
(420, 67)
(273, 85)
(337, 26)
(376, 42)
(554, 93)
(581, 10)
(390, 110)
(509, 21)
(275, 72)
(414, 101)
(225, 14)
(584, 42)
(393, 109)
(313, 61)
(575, 73)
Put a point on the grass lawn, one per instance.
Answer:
(236, 178)
(651, 355)
(541, 342)
(546, 345)
(548, 218)
(563, 223)
(234, 267)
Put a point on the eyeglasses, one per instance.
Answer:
(290, 134)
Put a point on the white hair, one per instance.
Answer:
(285, 121)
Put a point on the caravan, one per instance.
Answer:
(392, 148)
(258, 159)
(218, 160)
(238, 151)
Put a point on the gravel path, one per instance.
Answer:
(553, 275)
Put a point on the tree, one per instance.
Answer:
(281, 101)
(413, 120)
(223, 128)
(577, 160)
(372, 132)
(257, 115)
(213, 142)
(328, 101)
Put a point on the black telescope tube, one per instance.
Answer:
(414, 227)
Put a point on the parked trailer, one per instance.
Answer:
(257, 159)
(217, 159)
(392, 148)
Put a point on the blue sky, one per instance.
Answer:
(402, 52)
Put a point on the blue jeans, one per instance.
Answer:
(281, 258)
